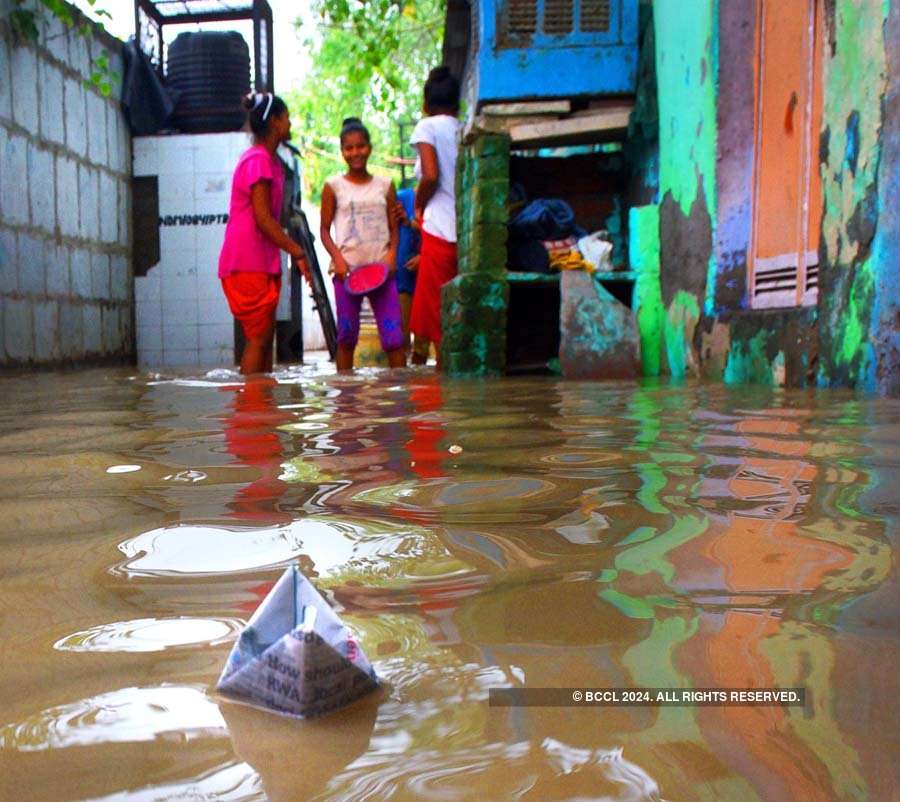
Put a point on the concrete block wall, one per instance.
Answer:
(65, 225)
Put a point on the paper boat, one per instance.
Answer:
(295, 657)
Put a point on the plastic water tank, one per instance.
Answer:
(211, 71)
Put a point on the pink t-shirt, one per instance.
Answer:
(246, 249)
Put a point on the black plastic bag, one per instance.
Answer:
(146, 101)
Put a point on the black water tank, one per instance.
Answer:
(211, 70)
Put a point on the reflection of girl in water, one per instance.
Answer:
(251, 436)
(426, 456)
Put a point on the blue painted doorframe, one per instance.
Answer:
(531, 63)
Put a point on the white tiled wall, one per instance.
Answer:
(183, 318)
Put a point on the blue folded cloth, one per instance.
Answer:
(545, 219)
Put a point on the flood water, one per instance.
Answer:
(475, 535)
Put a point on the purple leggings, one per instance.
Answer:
(386, 306)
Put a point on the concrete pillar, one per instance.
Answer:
(474, 304)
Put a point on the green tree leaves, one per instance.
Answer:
(370, 60)
(25, 25)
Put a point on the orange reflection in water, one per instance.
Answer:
(426, 430)
(251, 436)
(759, 551)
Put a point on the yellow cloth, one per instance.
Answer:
(570, 260)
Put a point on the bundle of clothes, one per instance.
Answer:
(544, 236)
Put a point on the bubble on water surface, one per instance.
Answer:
(185, 476)
(123, 468)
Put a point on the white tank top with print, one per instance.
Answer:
(361, 229)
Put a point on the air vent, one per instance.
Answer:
(522, 19)
(595, 16)
(558, 16)
(784, 278)
(811, 285)
(812, 278)
(774, 285)
(783, 281)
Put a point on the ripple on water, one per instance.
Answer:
(549, 769)
(152, 635)
(488, 499)
(232, 782)
(127, 715)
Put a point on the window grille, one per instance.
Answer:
(558, 15)
(522, 16)
(595, 16)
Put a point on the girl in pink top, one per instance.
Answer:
(250, 261)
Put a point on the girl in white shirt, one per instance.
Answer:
(436, 139)
(357, 203)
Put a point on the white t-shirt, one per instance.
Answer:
(361, 229)
(442, 133)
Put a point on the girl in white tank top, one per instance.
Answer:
(361, 229)
(358, 205)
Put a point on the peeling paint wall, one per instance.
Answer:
(735, 113)
(692, 158)
(734, 343)
(686, 70)
(859, 151)
(695, 320)
(772, 347)
(886, 244)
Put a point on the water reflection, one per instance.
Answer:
(128, 715)
(252, 438)
(474, 535)
(152, 635)
(235, 782)
(187, 549)
(298, 759)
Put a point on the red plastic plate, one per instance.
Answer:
(366, 278)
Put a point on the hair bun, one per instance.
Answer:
(351, 121)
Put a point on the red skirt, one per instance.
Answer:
(253, 298)
(437, 266)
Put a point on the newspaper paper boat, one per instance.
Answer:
(295, 657)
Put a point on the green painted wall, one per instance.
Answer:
(851, 339)
(643, 248)
(686, 70)
(854, 269)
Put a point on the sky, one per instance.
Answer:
(291, 64)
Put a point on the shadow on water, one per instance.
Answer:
(475, 535)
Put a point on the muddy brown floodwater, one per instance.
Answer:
(475, 535)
